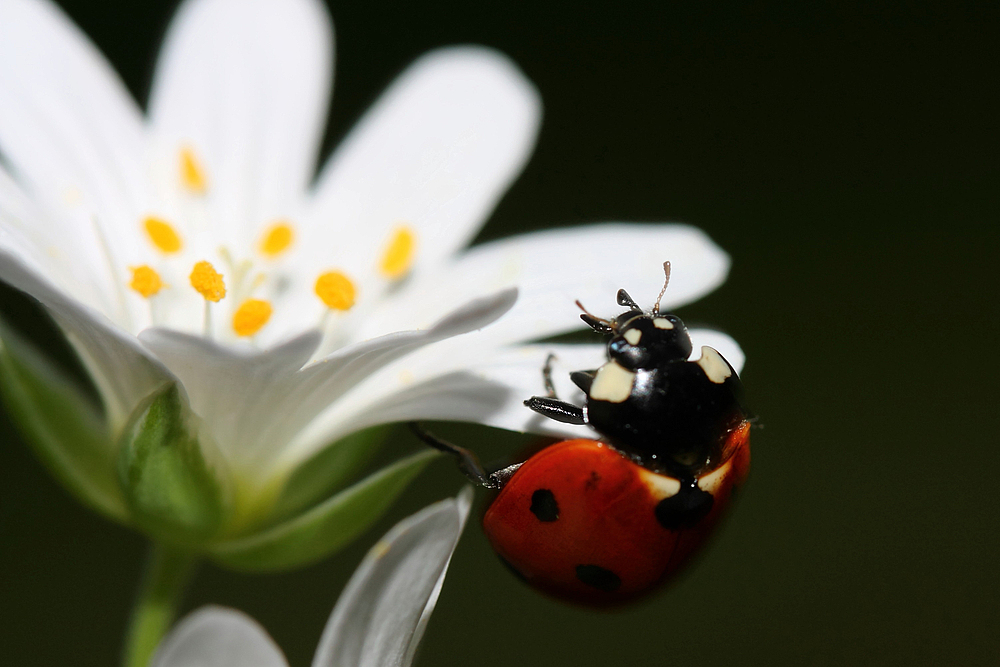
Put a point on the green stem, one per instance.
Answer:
(168, 571)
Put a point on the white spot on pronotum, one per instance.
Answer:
(662, 323)
(633, 336)
(612, 383)
(714, 365)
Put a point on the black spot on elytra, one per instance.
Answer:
(685, 508)
(544, 505)
(599, 577)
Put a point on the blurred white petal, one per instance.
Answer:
(377, 622)
(238, 393)
(245, 83)
(71, 134)
(435, 152)
(218, 637)
(555, 268)
(384, 609)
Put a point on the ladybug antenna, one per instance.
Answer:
(468, 462)
(666, 281)
(598, 324)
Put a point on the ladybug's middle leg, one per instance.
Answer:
(550, 387)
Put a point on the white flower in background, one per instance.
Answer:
(378, 621)
(241, 320)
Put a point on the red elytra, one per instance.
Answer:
(601, 543)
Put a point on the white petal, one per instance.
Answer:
(71, 134)
(122, 370)
(255, 402)
(436, 152)
(245, 84)
(46, 248)
(384, 608)
(218, 637)
(555, 268)
(490, 391)
(232, 389)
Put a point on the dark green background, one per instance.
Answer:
(847, 159)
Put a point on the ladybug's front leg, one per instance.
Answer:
(556, 409)
(552, 407)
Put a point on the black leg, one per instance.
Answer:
(566, 413)
(468, 462)
(550, 388)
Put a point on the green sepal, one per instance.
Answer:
(328, 471)
(173, 492)
(61, 423)
(325, 528)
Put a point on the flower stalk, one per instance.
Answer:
(168, 571)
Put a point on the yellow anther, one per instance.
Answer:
(192, 174)
(336, 290)
(146, 281)
(162, 234)
(399, 253)
(277, 239)
(251, 316)
(208, 281)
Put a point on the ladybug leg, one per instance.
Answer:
(561, 411)
(582, 379)
(468, 462)
(550, 388)
(549, 405)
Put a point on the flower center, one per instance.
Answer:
(334, 288)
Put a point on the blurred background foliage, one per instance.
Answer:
(846, 156)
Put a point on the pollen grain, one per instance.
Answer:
(146, 281)
(251, 316)
(277, 239)
(207, 281)
(162, 234)
(192, 173)
(336, 290)
(399, 252)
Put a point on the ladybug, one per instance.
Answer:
(603, 521)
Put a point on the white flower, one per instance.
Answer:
(337, 291)
(379, 618)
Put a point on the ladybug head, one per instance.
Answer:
(643, 339)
